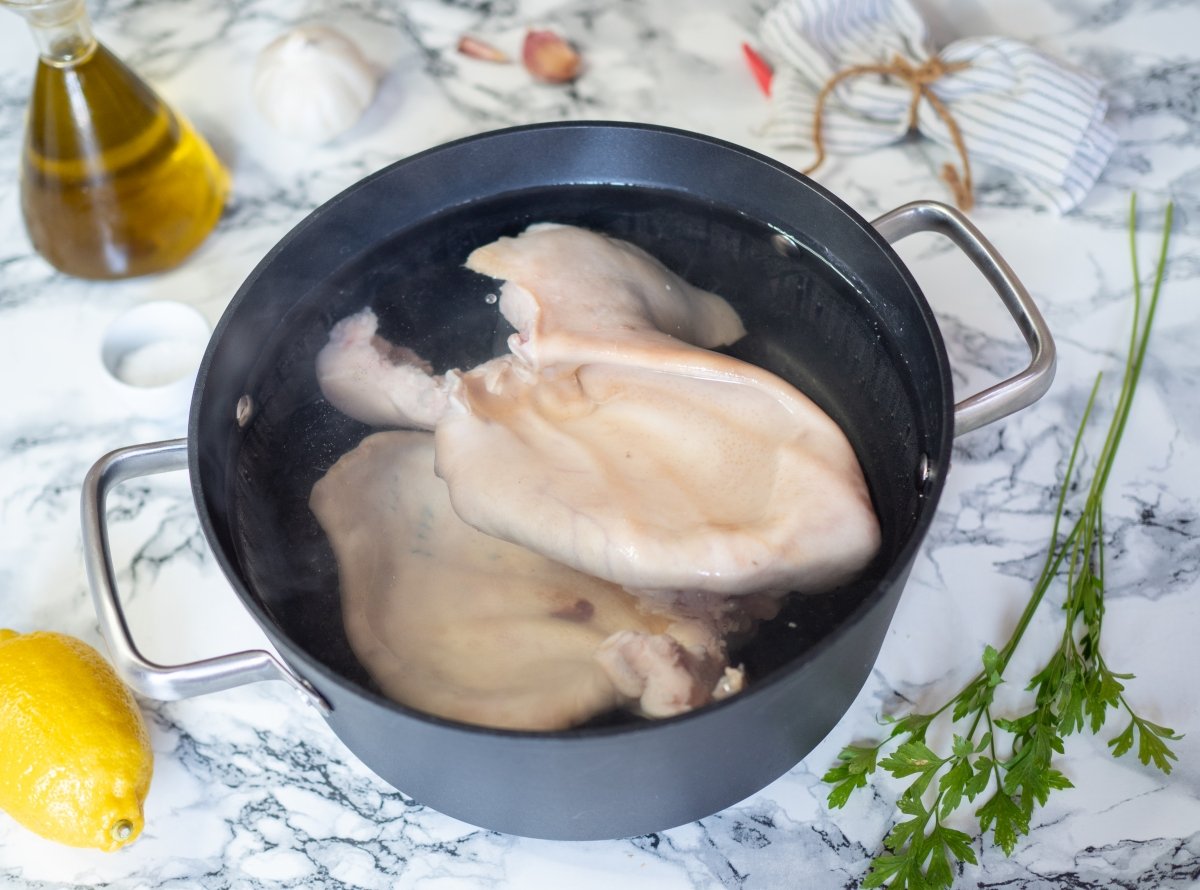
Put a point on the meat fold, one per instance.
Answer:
(472, 628)
(376, 382)
(618, 301)
(654, 480)
(575, 295)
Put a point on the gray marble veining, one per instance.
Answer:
(253, 790)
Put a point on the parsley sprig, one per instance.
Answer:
(1008, 763)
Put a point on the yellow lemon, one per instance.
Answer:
(75, 758)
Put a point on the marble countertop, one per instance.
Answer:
(252, 789)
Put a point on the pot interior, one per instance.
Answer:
(849, 330)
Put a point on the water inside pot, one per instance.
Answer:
(810, 319)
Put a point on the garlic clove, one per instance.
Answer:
(550, 58)
(478, 49)
(313, 83)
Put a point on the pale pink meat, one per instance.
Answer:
(376, 382)
(612, 440)
(575, 295)
(465, 626)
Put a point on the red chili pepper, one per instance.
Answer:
(759, 68)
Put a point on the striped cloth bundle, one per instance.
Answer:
(1014, 106)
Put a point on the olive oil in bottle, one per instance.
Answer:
(113, 182)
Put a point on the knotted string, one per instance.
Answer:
(919, 77)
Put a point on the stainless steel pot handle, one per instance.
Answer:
(1023, 389)
(164, 682)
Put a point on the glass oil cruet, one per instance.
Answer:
(114, 183)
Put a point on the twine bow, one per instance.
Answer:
(919, 78)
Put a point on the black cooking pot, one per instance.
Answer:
(828, 305)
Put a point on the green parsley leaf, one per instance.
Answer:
(897, 872)
(953, 784)
(1074, 689)
(857, 762)
(911, 758)
(913, 725)
(1006, 820)
(1152, 747)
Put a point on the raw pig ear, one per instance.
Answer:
(376, 382)
(612, 442)
(468, 627)
(564, 283)
(610, 448)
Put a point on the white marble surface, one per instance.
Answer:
(251, 789)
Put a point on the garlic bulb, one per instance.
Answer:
(313, 83)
